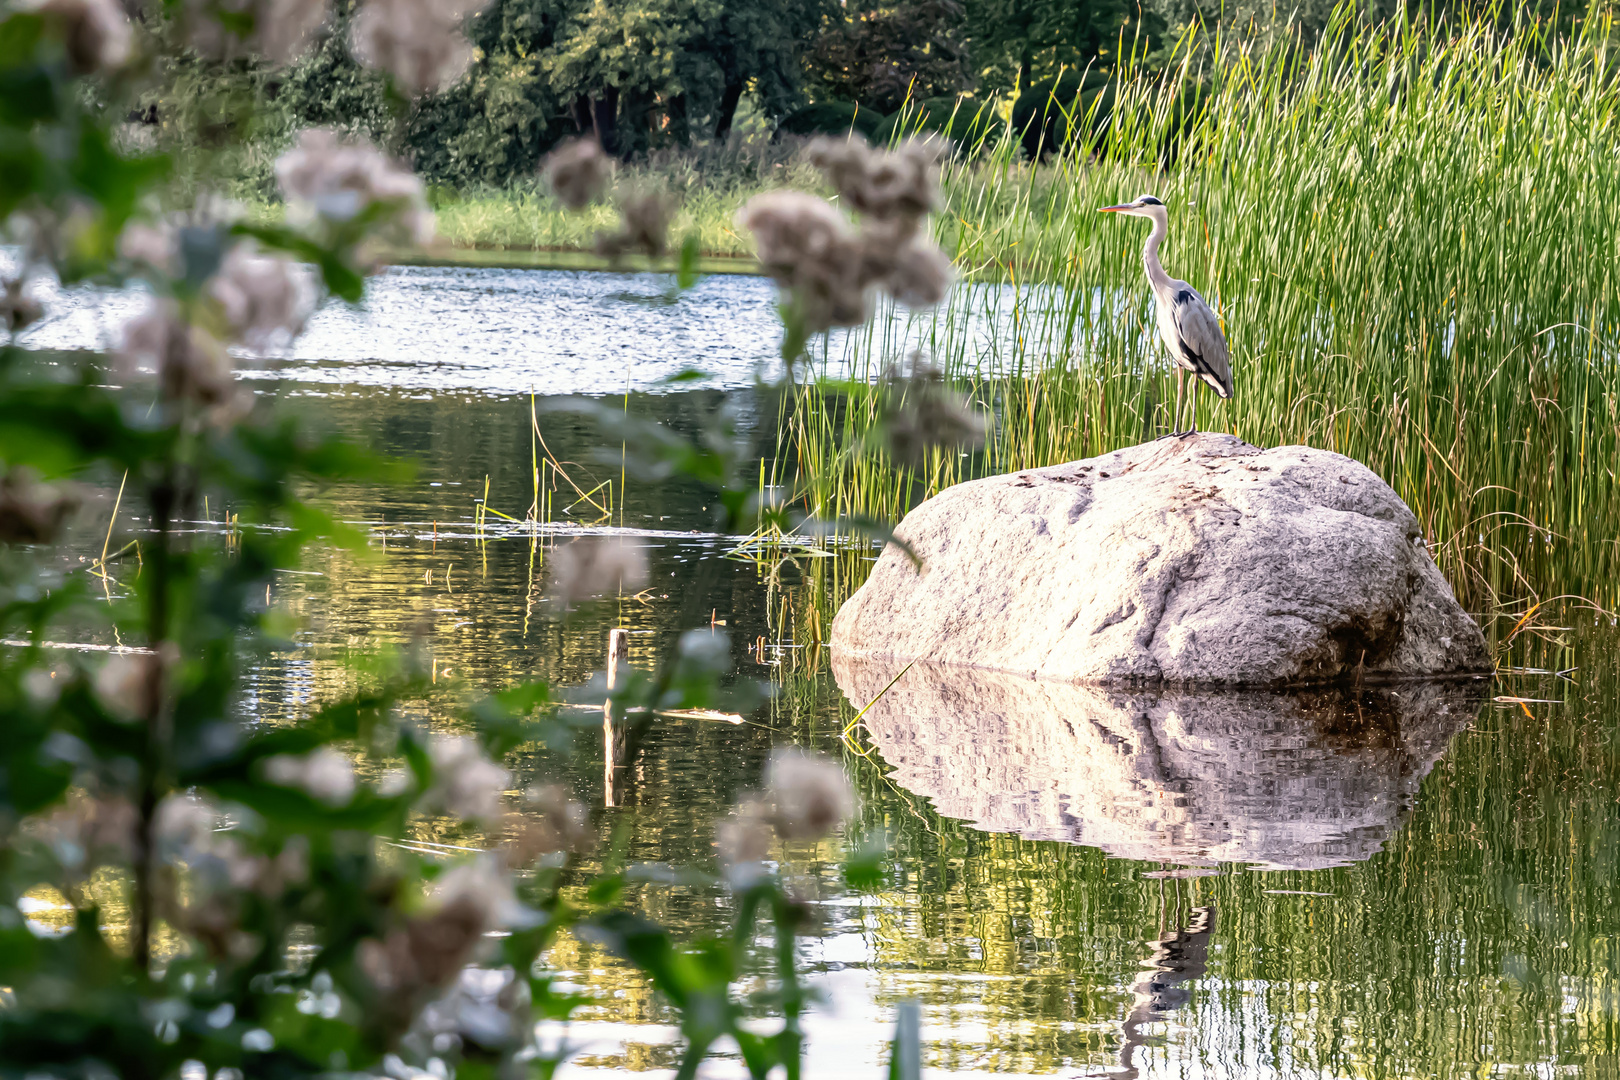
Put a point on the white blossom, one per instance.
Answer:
(917, 272)
(890, 185)
(430, 948)
(190, 365)
(744, 842)
(153, 245)
(643, 226)
(330, 178)
(811, 794)
(277, 30)
(465, 782)
(265, 298)
(18, 305)
(418, 42)
(928, 413)
(324, 774)
(593, 566)
(95, 33)
(31, 510)
(551, 821)
(810, 250)
(578, 171)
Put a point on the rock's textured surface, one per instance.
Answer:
(1298, 780)
(1196, 561)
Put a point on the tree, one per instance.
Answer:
(1021, 41)
(763, 44)
(882, 55)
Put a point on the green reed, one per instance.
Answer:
(1411, 236)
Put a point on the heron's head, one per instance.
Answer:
(1147, 206)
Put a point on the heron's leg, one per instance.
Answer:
(1175, 417)
(1192, 408)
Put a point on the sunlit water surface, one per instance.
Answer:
(1411, 883)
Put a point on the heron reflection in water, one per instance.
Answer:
(1189, 328)
(1177, 958)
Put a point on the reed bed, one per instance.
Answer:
(1412, 237)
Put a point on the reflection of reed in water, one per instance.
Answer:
(1177, 958)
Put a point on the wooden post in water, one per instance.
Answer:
(612, 741)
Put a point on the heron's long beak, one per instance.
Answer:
(1111, 209)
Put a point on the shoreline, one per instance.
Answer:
(506, 258)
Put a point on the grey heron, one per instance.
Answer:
(1189, 328)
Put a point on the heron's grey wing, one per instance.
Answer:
(1202, 342)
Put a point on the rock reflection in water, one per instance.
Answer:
(1281, 781)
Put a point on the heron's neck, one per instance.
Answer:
(1150, 253)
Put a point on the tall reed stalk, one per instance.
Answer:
(1411, 234)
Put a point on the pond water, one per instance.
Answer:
(1418, 882)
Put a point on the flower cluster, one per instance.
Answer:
(418, 42)
(929, 413)
(190, 364)
(31, 510)
(264, 298)
(218, 867)
(806, 797)
(643, 227)
(429, 947)
(277, 30)
(95, 34)
(552, 821)
(827, 266)
(127, 683)
(465, 782)
(330, 179)
(18, 305)
(578, 172)
(86, 831)
(593, 566)
(898, 187)
(324, 774)
(259, 300)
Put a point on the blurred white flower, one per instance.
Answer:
(95, 33)
(927, 413)
(917, 272)
(812, 796)
(418, 42)
(265, 298)
(809, 249)
(85, 831)
(578, 171)
(551, 820)
(593, 566)
(465, 782)
(324, 773)
(431, 947)
(154, 245)
(393, 782)
(744, 842)
(277, 30)
(895, 186)
(123, 683)
(643, 226)
(190, 365)
(31, 510)
(487, 1006)
(18, 305)
(328, 177)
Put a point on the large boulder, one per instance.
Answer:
(1297, 780)
(1193, 561)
